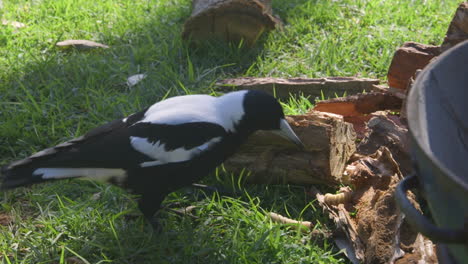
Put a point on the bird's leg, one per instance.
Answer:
(149, 204)
(212, 189)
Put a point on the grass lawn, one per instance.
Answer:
(48, 96)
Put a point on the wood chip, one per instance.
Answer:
(284, 220)
(80, 44)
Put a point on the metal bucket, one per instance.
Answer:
(437, 109)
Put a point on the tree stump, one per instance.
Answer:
(230, 20)
(269, 158)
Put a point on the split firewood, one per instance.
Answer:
(284, 220)
(269, 158)
(458, 29)
(357, 109)
(394, 91)
(230, 20)
(407, 59)
(359, 104)
(312, 88)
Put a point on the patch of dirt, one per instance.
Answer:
(5, 219)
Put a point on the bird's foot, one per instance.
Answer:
(156, 225)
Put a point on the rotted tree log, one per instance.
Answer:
(230, 20)
(269, 158)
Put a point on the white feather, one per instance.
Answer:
(98, 174)
(225, 111)
(157, 151)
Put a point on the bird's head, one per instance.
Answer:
(261, 111)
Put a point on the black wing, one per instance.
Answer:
(185, 135)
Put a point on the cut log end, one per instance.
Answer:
(329, 142)
(230, 20)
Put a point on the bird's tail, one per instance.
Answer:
(13, 177)
(17, 176)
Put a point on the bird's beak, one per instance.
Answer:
(287, 132)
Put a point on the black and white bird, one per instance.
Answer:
(167, 146)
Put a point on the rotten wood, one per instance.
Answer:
(387, 130)
(407, 59)
(312, 88)
(230, 20)
(458, 29)
(370, 227)
(269, 158)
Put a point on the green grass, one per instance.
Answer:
(48, 96)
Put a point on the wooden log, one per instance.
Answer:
(230, 20)
(358, 109)
(387, 130)
(283, 88)
(458, 29)
(407, 59)
(359, 104)
(269, 158)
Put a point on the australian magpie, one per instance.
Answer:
(156, 151)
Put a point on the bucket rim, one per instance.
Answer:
(412, 104)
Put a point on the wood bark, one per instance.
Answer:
(284, 88)
(407, 60)
(269, 158)
(230, 20)
(458, 29)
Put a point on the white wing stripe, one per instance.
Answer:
(157, 151)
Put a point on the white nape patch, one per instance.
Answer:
(231, 106)
(157, 151)
(125, 119)
(225, 111)
(97, 174)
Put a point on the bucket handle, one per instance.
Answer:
(420, 222)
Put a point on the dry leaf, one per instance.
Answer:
(135, 79)
(14, 24)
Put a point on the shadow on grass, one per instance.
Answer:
(61, 95)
